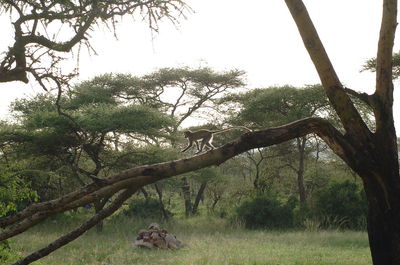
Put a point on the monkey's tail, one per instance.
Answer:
(231, 128)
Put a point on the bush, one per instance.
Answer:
(342, 201)
(7, 255)
(150, 208)
(265, 211)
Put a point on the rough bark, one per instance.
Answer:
(199, 195)
(186, 196)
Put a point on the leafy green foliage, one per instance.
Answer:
(7, 255)
(265, 211)
(272, 106)
(341, 200)
(93, 129)
(15, 193)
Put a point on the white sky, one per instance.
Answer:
(258, 36)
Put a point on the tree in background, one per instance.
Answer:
(274, 106)
(98, 117)
(190, 94)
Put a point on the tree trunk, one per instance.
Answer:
(383, 221)
(98, 207)
(145, 194)
(199, 195)
(301, 146)
(383, 234)
(215, 201)
(186, 196)
(160, 199)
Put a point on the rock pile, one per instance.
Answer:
(155, 238)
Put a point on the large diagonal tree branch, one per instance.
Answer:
(144, 175)
(39, 216)
(351, 119)
(62, 241)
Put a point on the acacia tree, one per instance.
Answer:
(194, 91)
(45, 31)
(273, 106)
(84, 140)
(372, 154)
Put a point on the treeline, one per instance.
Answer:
(56, 143)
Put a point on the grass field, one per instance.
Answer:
(208, 240)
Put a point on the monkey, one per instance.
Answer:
(206, 137)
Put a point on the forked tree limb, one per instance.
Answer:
(67, 238)
(144, 175)
(348, 114)
(364, 97)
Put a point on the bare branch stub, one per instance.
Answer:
(44, 31)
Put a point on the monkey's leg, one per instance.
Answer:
(197, 145)
(187, 147)
(203, 142)
(210, 146)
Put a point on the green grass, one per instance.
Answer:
(209, 241)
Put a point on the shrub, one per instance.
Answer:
(265, 211)
(150, 208)
(342, 201)
(7, 255)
